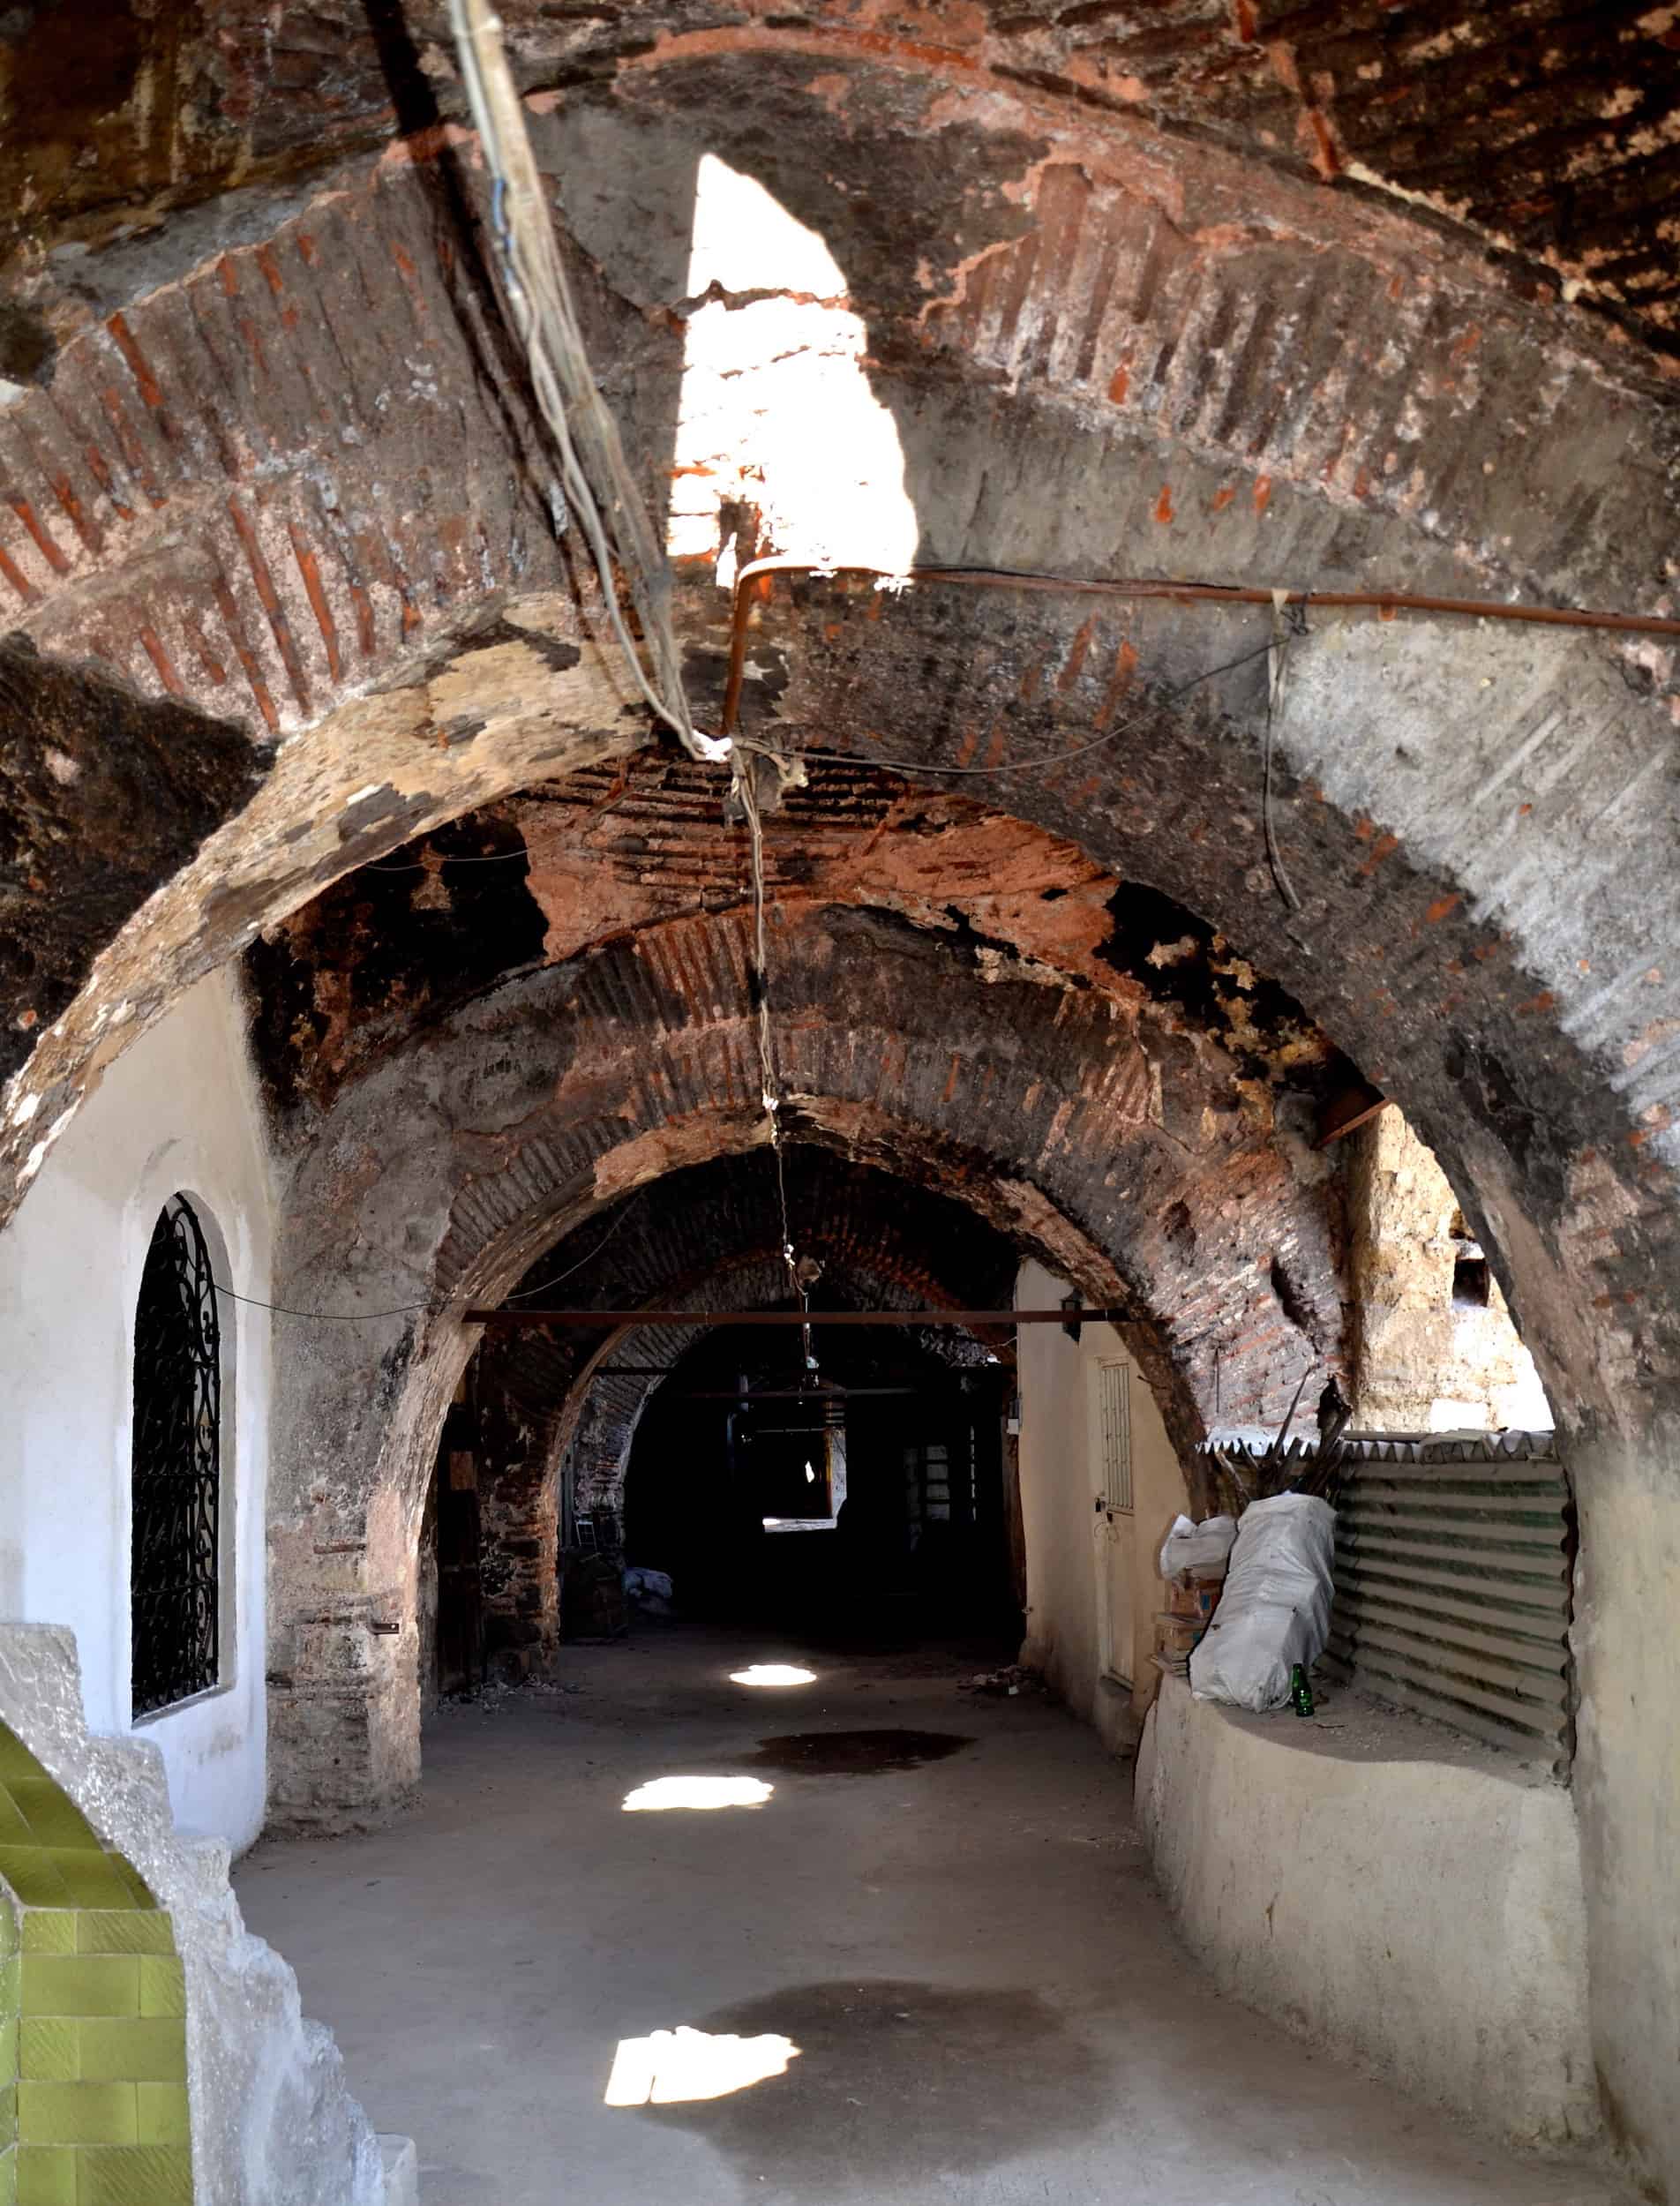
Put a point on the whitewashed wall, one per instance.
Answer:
(179, 1112)
(1062, 1478)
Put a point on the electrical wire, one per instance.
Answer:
(326, 1316)
(748, 792)
(486, 858)
(526, 1292)
(1286, 621)
(1047, 758)
(413, 1309)
(544, 319)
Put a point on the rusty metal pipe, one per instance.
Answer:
(1386, 602)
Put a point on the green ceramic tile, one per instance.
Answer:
(52, 1815)
(77, 2113)
(10, 1926)
(90, 1984)
(16, 1760)
(8, 2046)
(163, 2116)
(163, 1989)
(141, 1893)
(45, 2175)
(11, 1984)
(50, 2051)
(131, 1930)
(9, 2112)
(34, 1876)
(50, 1930)
(136, 2175)
(9, 2176)
(150, 2051)
(92, 1880)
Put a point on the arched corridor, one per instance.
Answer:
(808, 818)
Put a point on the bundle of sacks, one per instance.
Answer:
(1275, 1608)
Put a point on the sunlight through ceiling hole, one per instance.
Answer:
(698, 1792)
(772, 1674)
(674, 2065)
(777, 411)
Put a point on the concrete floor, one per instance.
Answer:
(987, 1999)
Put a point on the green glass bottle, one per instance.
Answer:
(1300, 1691)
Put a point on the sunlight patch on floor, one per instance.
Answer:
(698, 1792)
(772, 1674)
(673, 2065)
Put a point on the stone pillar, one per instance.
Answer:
(1627, 1782)
(355, 1434)
(343, 1668)
(519, 1521)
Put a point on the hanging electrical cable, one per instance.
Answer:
(769, 1083)
(1286, 621)
(599, 491)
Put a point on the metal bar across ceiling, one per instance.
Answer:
(505, 1320)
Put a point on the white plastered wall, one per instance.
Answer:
(1062, 1480)
(179, 1112)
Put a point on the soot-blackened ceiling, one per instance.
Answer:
(387, 955)
(688, 1238)
(708, 1240)
(1539, 132)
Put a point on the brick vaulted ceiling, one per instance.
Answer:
(710, 1238)
(1172, 292)
(562, 973)
(598, 856)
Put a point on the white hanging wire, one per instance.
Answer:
(541, 310)
(1286, 621)
(595, 476)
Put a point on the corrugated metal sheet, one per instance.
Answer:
(1452, 1596)
(1454, 1559)
(1254, 1442)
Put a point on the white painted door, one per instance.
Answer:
(1114, 1521)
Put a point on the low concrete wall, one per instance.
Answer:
(1424, 1916)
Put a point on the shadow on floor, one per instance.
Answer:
(898, 2082)
(855, 1753)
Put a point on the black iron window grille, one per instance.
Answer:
(175, 1582)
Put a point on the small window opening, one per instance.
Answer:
(176, 1563)
(1114, 1379)
(1470, 1282)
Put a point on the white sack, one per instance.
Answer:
(1201, 1548)
(1275, 1610)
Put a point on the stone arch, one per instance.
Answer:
(645, 1050)
(1470, 352)
(710, 1239)
(344, 1744)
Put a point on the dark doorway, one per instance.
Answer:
(864, 1500)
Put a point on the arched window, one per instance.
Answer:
(175, 1579)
